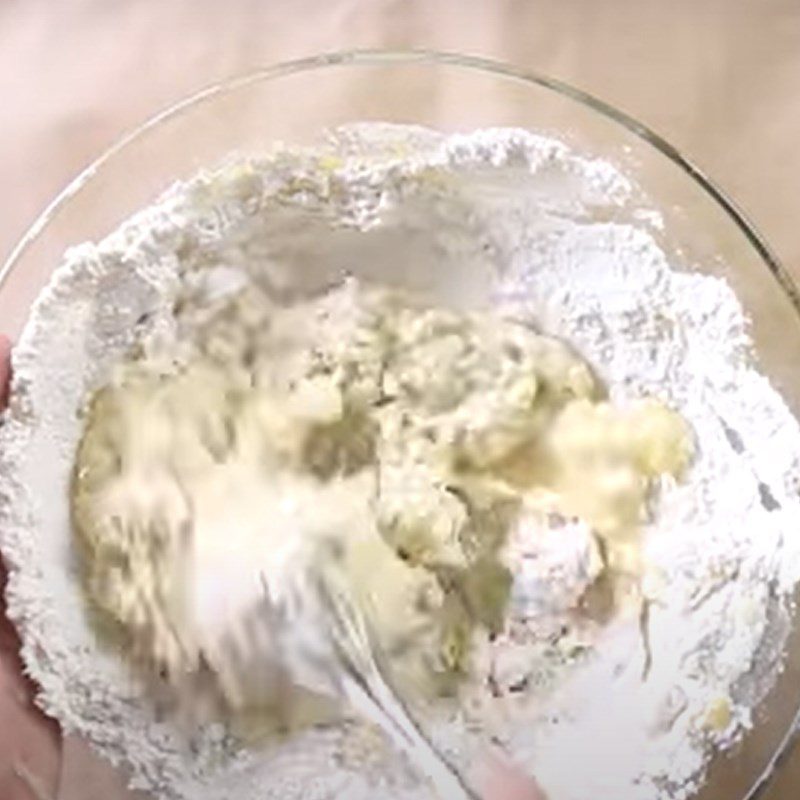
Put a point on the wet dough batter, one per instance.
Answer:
(407, 436)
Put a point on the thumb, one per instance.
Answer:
(499, 779)
(5, 369)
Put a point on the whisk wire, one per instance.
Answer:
(370, 693)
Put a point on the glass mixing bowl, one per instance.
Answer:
(294, 102)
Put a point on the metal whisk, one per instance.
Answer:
(365, 687)
(319, 632)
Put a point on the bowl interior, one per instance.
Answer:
(297, 102)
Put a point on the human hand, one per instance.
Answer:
(30, 742)
(501, 780)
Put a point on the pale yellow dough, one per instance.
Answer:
(408, 435)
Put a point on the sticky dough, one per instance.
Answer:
(409, 435)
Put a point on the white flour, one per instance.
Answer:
(500, 214)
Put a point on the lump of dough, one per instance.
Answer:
(553, 563)
(412, 436)
(602, 461)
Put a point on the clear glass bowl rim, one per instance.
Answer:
(491, 67)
